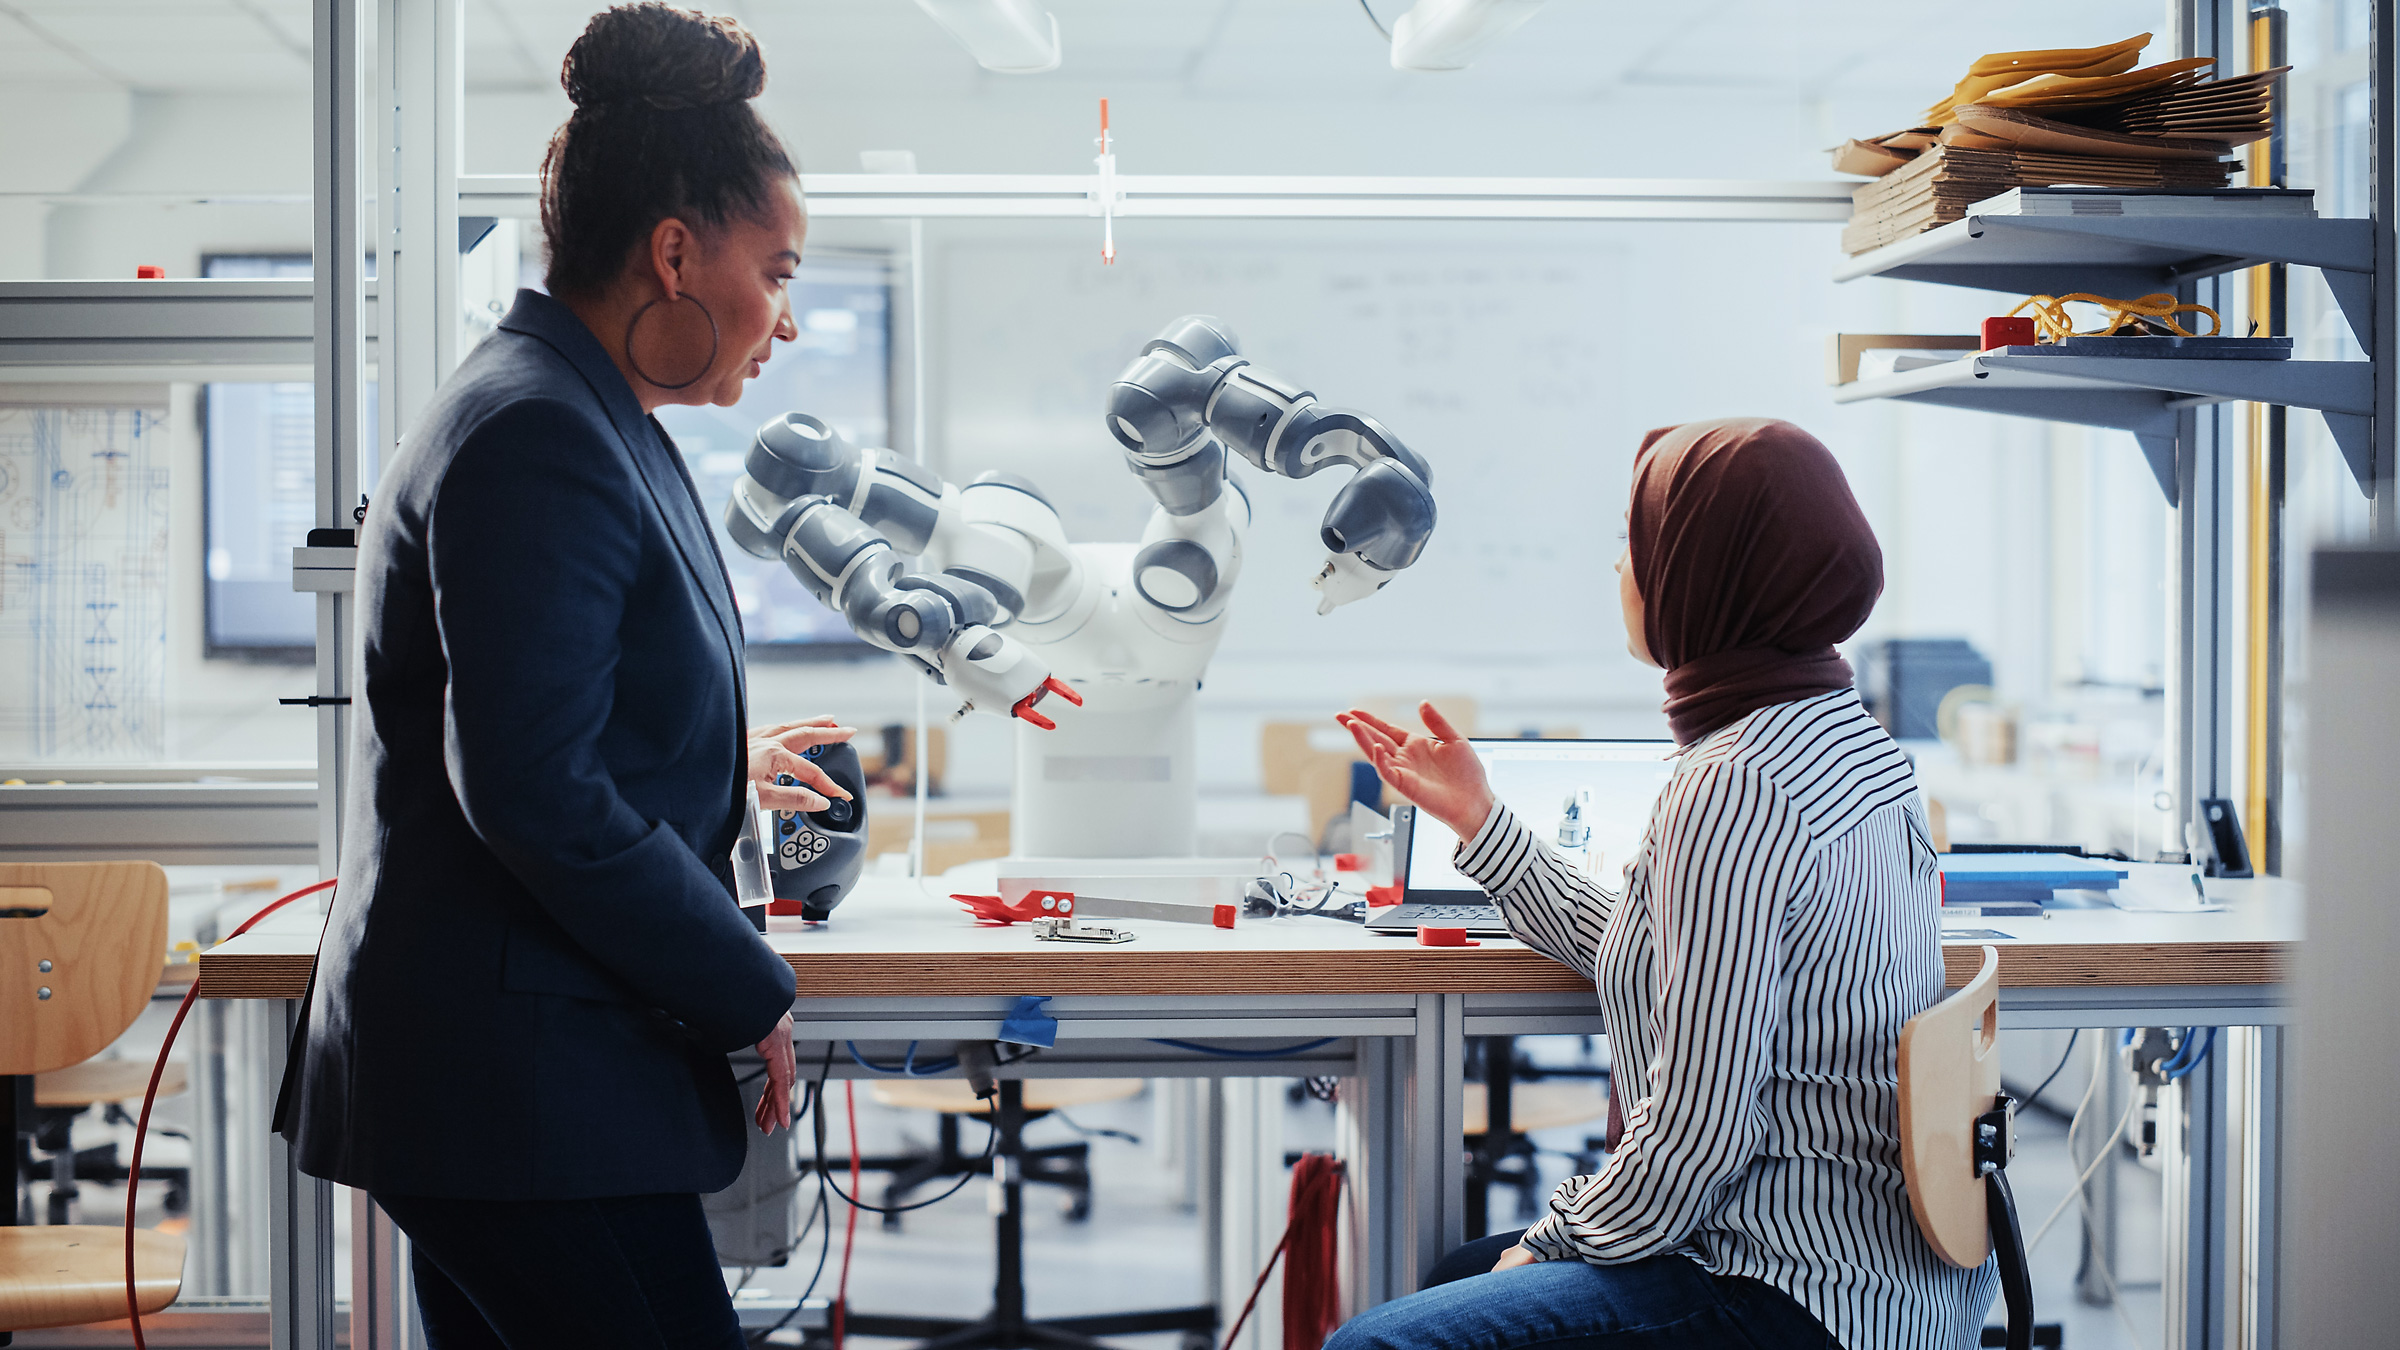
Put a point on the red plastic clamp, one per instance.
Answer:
(2008, 332)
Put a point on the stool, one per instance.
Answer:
(1005, 1327)
(1067, 1166)
(1499, 1153)
(80, 945)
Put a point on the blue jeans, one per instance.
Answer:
(635, 1272)
(1657, 1303)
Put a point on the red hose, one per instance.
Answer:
(841, 1296)
(141, 1129)
(1312, 1294)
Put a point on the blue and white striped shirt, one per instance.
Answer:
(1778, 927)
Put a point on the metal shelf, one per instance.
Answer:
(2128, 255)
(2140, 395)
(1262, 197)
(168, 330)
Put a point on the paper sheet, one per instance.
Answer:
(2163, 888)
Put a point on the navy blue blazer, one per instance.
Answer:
(534, 966)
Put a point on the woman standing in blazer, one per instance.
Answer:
(1777, 927)
(534, 968)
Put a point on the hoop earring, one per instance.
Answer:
(705, 367)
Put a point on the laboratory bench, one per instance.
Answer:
(900, 963)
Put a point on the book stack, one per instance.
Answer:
(2082, 117)
(1939, 185)
(2018, 885)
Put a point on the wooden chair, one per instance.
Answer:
(1957, 1134)
(80, 950)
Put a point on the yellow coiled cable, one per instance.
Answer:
(2051, 320)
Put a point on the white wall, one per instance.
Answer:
(1569, 341)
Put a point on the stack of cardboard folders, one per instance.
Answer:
(2083, 117)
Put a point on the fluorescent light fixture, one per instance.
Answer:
(1448, 34)
(1013, 37)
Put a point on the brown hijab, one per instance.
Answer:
(1752, 559)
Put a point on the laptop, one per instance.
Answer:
(1596, 795)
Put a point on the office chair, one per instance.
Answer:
(81, 947)
(1006, 1326)
(1503, 1110)
(1957, 1134)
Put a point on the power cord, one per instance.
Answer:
(141, 1129)
(908, 1066)
(1221, 1052)
(2034, 1098)
(1092, 1131)
(990, 1148)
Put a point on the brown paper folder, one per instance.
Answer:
(2035, 132)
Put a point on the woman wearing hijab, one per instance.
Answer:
(1776, 929)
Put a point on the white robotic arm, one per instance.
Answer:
(1191, 393)
(936, 572)
(845, 521)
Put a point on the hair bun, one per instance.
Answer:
(662, 57)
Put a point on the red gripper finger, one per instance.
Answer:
(1060, 688)
(1025, 710)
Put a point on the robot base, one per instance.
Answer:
(1112, 782)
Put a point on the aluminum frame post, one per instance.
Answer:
(1252, 1203)
(301, 1314)
(2383, 197)
(1438, 1131)
(420, 112)
(2100, 1226)
(2200, 1176)
(301, 1207)
(1372, 1116)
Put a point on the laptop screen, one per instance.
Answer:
(1608, 786)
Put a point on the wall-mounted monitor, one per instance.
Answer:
(258, 458)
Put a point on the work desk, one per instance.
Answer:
(890, 936)
(1318, 997)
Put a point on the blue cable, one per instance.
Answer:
(1220, 1052)
(908, 1067)
(2187, 1059)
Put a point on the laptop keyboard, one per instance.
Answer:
(1472, 913)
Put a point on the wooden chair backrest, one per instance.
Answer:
(1949, 1075)
(102, 927)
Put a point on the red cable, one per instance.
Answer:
(141, 1129)
(1311, 1284)
(841, 1294)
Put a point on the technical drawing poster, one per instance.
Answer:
(83, 584)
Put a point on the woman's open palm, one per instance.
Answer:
(1439, 773)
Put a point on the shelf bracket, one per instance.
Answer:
(2355, 293)
(2351, 431)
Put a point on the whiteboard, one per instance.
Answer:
(1494, 364)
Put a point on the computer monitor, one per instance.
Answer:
(1536, 779)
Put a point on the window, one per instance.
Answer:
(258, 469)
(839, 368)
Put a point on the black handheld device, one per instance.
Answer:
(818, 855)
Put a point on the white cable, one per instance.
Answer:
(2101, 1155)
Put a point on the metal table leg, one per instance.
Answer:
(300, 1216)
(1438, 1125)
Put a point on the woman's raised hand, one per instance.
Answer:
(1438, 772)
(776, 750)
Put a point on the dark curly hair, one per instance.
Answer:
(662, 127)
